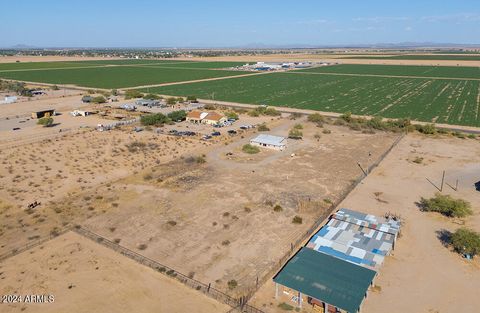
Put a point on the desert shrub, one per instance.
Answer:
(472, 136)
(147, 177)
(191, 98)
(261, 110)
(295, 133)
(347, 117)
(200, 159)
(55, 87)
(45, 121)
(418, 160)
(210, 106)
(114, 92)
(231, 115)
(317, 136)
(316, 118)
(177, 116)
(446, 205)
(428, 129)
(99, 99)
(286, 307)
(466, 241)
(232, 284)
(327, 131)
(263, 128)
(298, 126)
(142, 246)
(225, 242)
(248, 148)
(278, 208)
(136, 146)
(247, 209)
(157, 119)
(130, 94)
(172, 223)
(297, 220)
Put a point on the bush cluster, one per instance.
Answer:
(466, 241)
(446, 205)
(248, 148)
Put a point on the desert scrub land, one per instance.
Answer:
(224, 218)
(60, 171)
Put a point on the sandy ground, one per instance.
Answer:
(84, 276)
(216, 220)
(421, 275)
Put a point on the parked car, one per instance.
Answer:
(16, 128)
(216, 134)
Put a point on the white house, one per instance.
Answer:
(269, 141)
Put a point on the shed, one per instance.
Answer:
(269, 141)
(325, 280)
(44, 113)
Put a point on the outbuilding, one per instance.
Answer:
(269, 141)
(44, 113)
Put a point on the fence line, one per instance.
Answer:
(237, 304)
(294, 246)
(32, 244)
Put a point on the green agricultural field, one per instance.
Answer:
(200, 64)
(132, 62)
(458, 57)
(400, 70)
(431, 100)
(116, 76)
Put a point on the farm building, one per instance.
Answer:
(336, 267)
(324, 282)
(269, 141)
(44, 113)
(210, 118)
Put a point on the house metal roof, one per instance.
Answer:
(327, 279)
(356, 244)
(269, 140)
(367, 220)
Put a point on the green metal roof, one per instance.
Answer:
(326, 278)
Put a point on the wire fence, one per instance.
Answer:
(239, 305)
(32, 244)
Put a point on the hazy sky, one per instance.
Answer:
(221, 23)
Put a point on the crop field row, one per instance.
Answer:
(117, 76)
(431, 100)
(400, 70)
(102, 63)
(458, 57)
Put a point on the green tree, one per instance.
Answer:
(45, 121)
(177, 115)
(446, 205)
(466, 241)
(171, 101)
(157, 119)
(191, 98)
